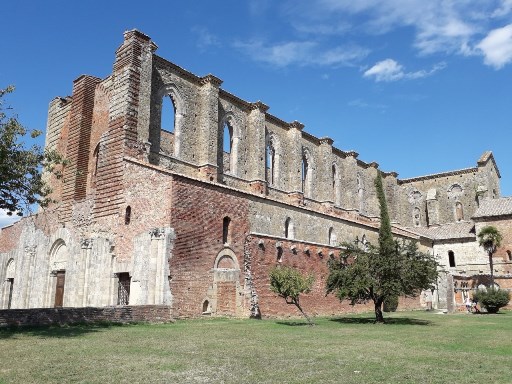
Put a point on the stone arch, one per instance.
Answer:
(58, 255)
(10, 268)
(226, 259)
(307, 172)
(455, 190)
(180, 112)
(225, 293)
(235, 136)
(272, 161)
(289, 229)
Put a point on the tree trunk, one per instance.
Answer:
(310, 322)
(378, 311)
(492, 269)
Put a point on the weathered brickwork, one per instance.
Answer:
(167, 214)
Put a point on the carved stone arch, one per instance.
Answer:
(455, 191)
(226, 259)
(236, 136)
(225, 295)
(307, 168)
(58, 255)
(273, 144)
(180, 111)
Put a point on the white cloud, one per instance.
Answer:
(205, 39)
(302, 53)
(390, 70)
(438, 26)
(6, 220)
(497, 47)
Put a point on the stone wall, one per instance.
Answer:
(65, 316)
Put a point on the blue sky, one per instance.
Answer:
(418, 86)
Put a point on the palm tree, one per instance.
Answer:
(490, 238)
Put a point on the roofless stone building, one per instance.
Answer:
(189, 212)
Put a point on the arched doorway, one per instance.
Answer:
(58, 262)
(224, 294)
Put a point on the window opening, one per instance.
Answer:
(123, 288)
(459, 213)
(168, 120)
(279, 255)
(10, 282)
(305, 174)
(509, 254)
(225, 230)
(270, 163)
(206, 307)
(128, 215)
(288, 228)
(451, 259)
(417, 216)
(330, 239)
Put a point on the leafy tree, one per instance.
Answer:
(364, 272)
(289, 283)
(490, 238)
(21, 182)
(492, 299)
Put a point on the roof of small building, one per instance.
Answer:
(494, 207)
(460, 230)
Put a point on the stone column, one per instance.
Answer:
(294, 146)
(257, 151)
(208, 148)
(324, 182)
(83, 280)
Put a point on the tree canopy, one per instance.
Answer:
(364, 272)
(21, 181)
(289, 283)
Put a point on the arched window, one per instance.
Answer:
(279, 254)
(227, 148)
(334, 181)
(451, 259)
(288, 229)
(270, 163)
(168, 116)
(459, 212)
(128, 215)
(509, 254)
(225, 230)
(306, 173)
(331, 240)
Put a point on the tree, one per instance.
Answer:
(21, 182)
(364, 272)
(289, 283)
(490, 238)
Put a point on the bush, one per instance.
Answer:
(391, 304)
(492, 299)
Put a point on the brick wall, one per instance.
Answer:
(197, 218)
(61, 316)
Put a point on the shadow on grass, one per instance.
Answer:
(55, 331)
(391, 321)
(292, 323)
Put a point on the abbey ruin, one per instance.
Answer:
(176, 218)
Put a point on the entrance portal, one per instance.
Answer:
(59, 289)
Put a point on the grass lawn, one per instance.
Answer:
(413, 347)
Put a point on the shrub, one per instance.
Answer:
(492, 299)
(391, 304)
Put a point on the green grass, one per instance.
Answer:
(413, 347)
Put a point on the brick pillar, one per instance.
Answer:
(77, 151)
(124, 131)
(209, 147)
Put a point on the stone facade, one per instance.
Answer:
(193, 216)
